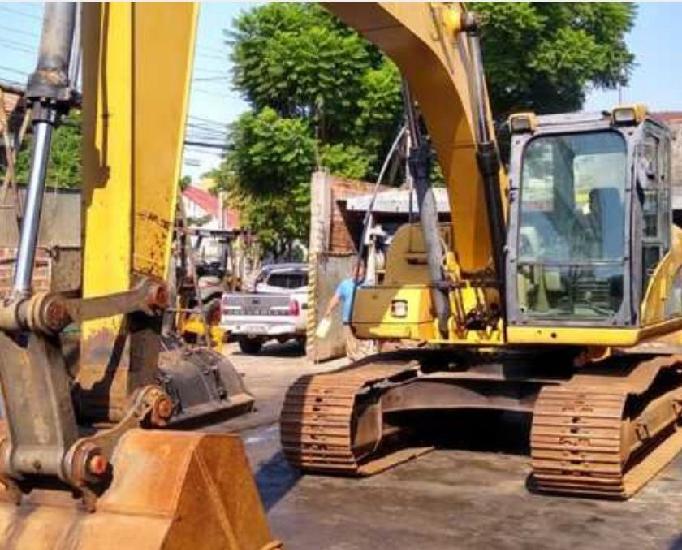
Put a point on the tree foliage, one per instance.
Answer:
(266, 176)
(322, 95)
(64, 168)
(545, 56)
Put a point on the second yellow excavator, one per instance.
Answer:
(85, 461)
(556, 290)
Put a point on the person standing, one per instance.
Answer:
(355, 349)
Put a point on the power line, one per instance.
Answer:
(205, 144)
(11, 70)
(207, 70)
(212, 51)
(14, 83)
(17, 31)
(32, 47)
(21, 49)
(210, 56)
(208, 120)
(211, 78)
(207, 92)
(19, 12)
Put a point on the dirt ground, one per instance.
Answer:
(470, 492)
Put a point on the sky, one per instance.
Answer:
(656, 41)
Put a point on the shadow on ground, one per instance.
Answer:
(485, 431)
(275, 478)
(275, 349)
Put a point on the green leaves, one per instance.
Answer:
(266, 175)
(543, 56)
(64, 168)
(320, 96)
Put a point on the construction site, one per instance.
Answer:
(419, 288)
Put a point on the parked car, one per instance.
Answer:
(274, 309)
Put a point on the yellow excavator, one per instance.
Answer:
(86, 460)
(556, 290)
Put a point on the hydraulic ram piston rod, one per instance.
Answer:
(48, 92)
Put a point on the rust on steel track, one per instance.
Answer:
(607, 436)
(331, 423)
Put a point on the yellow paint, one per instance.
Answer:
(661, 282)
(529, 116)
(638, 109)
(164, 46)
(107, 135)
(194, 325)
(407, 279)
(419, 38)
(136, 74)
(426, 43)
(588, 336)
(372, 316)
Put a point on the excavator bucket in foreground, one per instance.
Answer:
(170, 490)
(77, 468)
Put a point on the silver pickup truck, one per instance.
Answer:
(275, 308)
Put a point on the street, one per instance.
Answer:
(453, 497)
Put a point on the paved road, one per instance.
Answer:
(450, 498)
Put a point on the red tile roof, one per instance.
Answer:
(210, 204)
(205, 200)
(668, 116)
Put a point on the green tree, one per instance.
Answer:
(64, 168)
(185, 182)
(266, 175)
(322, 95)
(544, 56)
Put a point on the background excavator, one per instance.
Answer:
(83, 461)
(556, 289)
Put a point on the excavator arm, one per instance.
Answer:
(78, 451)
(436, 47)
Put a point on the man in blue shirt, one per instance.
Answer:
(355, 349)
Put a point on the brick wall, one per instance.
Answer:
(340, 241)
(41, 271)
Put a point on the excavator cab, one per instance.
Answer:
(589, 226)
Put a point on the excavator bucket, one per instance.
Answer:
(204, 385)
(170, 490)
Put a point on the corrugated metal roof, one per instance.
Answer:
(395, 201)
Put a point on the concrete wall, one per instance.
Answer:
(330, 256)
(58, 261)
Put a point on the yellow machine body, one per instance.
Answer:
(555, 292)
(169, 489)
(137, 62)
(407, 279)
(192, 327)
(441, 83)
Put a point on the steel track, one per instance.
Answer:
(319, 424)
(603, 436)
